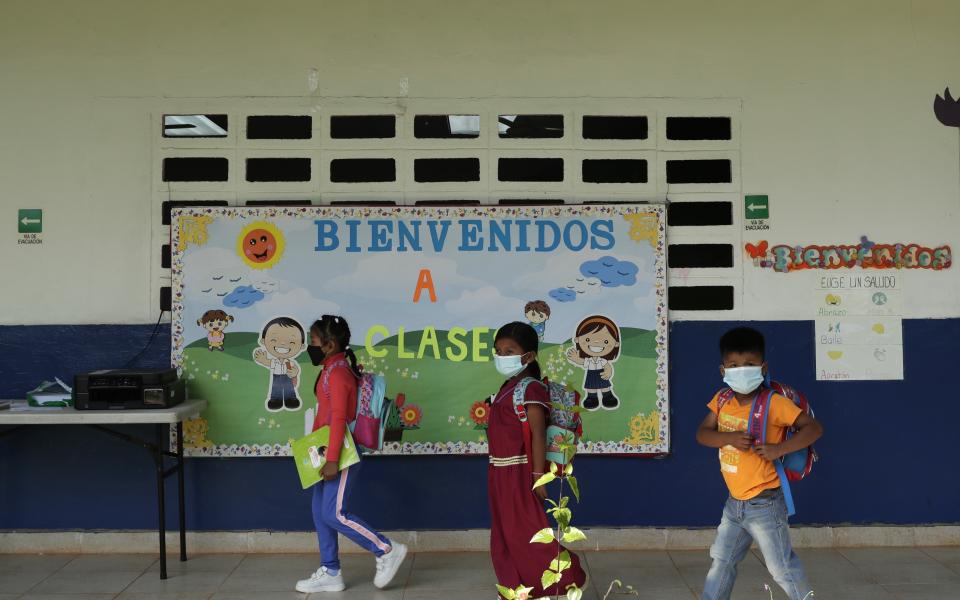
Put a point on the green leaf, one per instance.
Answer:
(506, 592)
(544, 536)
(553, 468)
(573, 534)
(564, 407)
(568, 470)
(549, 578)
(561, 563)
(521, 591)
(552, 503)
(574, 593)
(563, 516)
(564, 500)
(544, 480)
(574, 486)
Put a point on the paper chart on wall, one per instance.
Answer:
(859, 327)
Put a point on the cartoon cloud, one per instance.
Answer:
(243, 296)
(610, 271)
(563, 294)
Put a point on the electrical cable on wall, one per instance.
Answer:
(153, 336)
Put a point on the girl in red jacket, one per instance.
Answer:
(336, 391)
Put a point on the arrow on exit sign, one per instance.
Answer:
(756, 207)
(30, 220)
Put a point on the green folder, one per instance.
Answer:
(310, 454)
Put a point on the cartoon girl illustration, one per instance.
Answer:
(596, 346)
(215, 321)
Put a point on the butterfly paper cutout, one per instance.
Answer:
(758, 251)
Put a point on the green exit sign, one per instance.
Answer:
(30, 220)
(756, 207)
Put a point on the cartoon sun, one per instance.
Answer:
(260, 245)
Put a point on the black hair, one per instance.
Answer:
(334, 328)
(284, 322)
(742, 339)
(526, 337)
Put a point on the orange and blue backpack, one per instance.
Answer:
(791, 467)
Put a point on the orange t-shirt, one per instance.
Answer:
(747, 473)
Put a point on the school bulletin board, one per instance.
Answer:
(424, 291)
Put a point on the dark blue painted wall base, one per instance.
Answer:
(887, 456)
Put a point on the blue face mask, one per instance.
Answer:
(743, 380)
(508, 365)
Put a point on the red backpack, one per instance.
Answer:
(791, 467)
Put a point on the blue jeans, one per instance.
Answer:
(764, 519)
(282, 388)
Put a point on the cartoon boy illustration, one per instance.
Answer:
(281, 341)
(596, 346)
(215, 321)
(537, 313)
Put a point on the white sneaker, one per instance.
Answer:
(389, 564)
(321, 581)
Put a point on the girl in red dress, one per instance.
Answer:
(517, 460)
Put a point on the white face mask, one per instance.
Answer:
(508, 365)
(743, 380)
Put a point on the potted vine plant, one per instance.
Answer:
(564, 532)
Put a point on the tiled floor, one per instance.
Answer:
(843, 574)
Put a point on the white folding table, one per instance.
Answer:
(21, 414)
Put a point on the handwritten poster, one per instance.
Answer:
(859, 328)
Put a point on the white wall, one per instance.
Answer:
(835, 115)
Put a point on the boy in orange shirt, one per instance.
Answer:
(756, 510)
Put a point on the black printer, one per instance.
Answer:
(128, 389)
